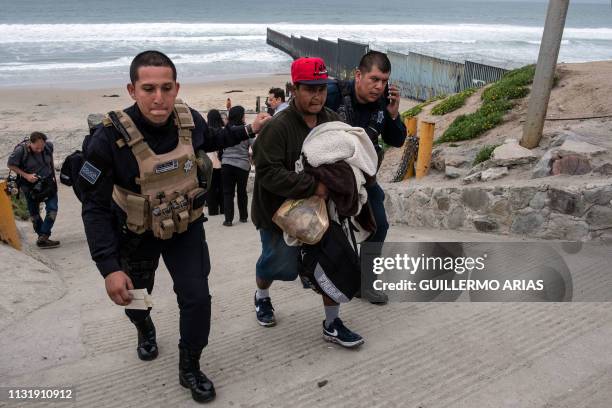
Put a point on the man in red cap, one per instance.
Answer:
(275, 152)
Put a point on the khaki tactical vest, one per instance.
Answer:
(170, 195)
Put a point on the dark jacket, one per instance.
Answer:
(275, 151)
(33, 163)
(393, 132)
(101, 216)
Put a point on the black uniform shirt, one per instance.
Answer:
(393, 132)
(114, 165)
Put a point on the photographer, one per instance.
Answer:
(33, 163)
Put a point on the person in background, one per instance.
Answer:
(276, 100)
(235, 168)
(214, 196)
(32, 161)
(371, 103)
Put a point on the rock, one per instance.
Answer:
(563, 201)
(520, 197)
(543, 167)
(559, 139)
(475, 198)
(321, 384)
(572, 147)
(456, 218)
(501, 208)
(566, 228)
(599, 195)
(573, 165)
(494, 173)
(511, 154)
(480, 167)
(472, 178)
(454, 160)
(94, 119)
(453, 172)
(599, 217)
(539, 200)
(443, 203)
(605, 169)
(437, 159)
(527, 223)
(485, 225)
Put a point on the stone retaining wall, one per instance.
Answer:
(565, 212)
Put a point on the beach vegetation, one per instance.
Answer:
(497, 99)
(20, 207)
(417, 109)
(453, 102)
(484, 154)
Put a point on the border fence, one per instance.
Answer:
(418, 76)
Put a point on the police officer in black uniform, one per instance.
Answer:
(128, 227)
(371, 103)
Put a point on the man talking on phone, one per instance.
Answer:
(371, 103)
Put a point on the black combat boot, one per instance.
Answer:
(190, 376)
(147, 344)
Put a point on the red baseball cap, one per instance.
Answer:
(309, 71)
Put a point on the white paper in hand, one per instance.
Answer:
(141, 300)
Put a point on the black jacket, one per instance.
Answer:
(101, 216)
(393, 132)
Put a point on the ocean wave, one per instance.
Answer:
(24, 33)
(243, 55)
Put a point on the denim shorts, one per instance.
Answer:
(278, 261)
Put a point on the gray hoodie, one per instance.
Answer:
(238, 155)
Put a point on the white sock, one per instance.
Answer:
(262, 293)
(331, 313)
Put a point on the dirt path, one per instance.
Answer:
(416, 354)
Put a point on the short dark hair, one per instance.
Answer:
(278, 93)
(36, 136)
(374, 58)
(235, 116)
(150, 58)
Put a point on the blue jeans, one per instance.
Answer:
(278, 261)
(376, 198)
(43, 227)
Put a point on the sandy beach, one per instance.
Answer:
(61, 113)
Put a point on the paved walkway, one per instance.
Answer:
(416, 354)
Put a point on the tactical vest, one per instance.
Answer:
(346, 112)
(170, 196)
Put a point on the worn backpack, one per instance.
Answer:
(332, 266)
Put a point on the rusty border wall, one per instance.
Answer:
(419, 76)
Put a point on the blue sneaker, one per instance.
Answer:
(338, 333)
(264, 312)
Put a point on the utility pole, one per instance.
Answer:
(545, 73)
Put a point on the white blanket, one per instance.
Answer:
(335, 141)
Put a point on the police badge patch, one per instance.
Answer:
(188, 165)
(167, 166)
(90, 172)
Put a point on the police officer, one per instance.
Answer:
(142, 199)
(32, 161)
(371, 103)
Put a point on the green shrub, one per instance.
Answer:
(20, 207)
(415, 110)
(453, 102)
(467, 127)
(484, 154)
(497, 100)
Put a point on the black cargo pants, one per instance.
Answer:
(187, 259)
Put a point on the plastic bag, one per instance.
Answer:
(304, 219)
